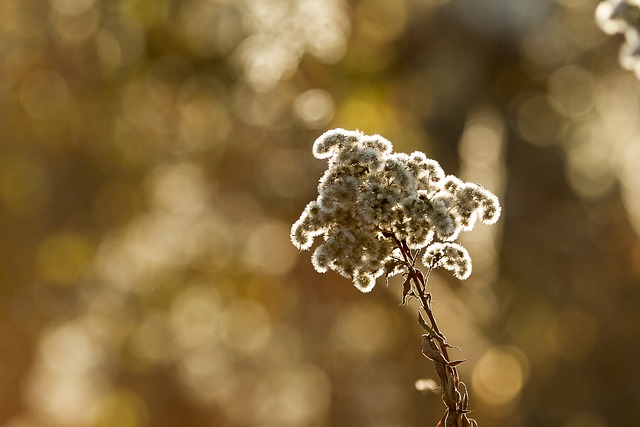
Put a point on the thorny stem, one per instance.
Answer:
(434, 343)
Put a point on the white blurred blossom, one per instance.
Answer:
(623, 17)
(370, 200)
(282, 31)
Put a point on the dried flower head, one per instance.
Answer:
(370, 198)
(623, 17)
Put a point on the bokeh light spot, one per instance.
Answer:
(72, 7)
(571, 90)
(269, 249)
(68, 347)
(365, 329)
(588, 172)
(152, 341)
(64, 384)
(315, 108)
(499, 375)
(205, 122)
(282, 174)
(381, 21)
(77, 28)
(195, 315)
(179, 188)
(246, 326)
(535, 120)
(546, 43)
(109, 51)
(365, 110)
(294, 396)
(282, 32)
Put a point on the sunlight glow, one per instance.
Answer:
(499, 375)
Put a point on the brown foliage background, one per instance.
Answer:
(153, 155)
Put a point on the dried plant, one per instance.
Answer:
(378, 213)
(623, 17)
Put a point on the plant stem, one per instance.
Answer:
(434, 343)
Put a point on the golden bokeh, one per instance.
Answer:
(153, 155)
(499, 376)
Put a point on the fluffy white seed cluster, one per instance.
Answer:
(623, 17)
(369, 195)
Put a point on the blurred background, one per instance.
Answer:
(154, 153)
